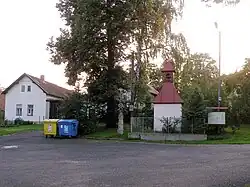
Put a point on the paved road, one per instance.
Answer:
(43, 162)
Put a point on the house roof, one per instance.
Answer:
(2, 100)
(168, 95)
(47, 87)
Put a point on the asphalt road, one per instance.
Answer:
(43, 162)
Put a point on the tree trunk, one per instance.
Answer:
(111, 114)
(111, 108)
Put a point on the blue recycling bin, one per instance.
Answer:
(68, 127)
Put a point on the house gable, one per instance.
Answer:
(16, 82)
(25, 93)
(49, 88)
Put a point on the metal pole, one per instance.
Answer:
(132, 91)
(219, 86)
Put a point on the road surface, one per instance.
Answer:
(31, 160)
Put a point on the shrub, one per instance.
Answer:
(7, 123)
(194, 111)
(76, 106)
(18, 121)
(170, 124)
(215, 129)
(87, 127)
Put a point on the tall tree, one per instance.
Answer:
(194, 110)
(178, 51)
(201, 70)
(93, 42)
(152, 23)
(97, 35)
(237, 86)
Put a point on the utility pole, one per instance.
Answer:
(132, 90)
(219, 83)
(132, 78)
(219, 88)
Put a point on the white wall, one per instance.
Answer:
(36, 97)
(165, 110)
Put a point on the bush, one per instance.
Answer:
(7, 123)
(193, 125)
(170, 124)
(215, 129)
(77, 107)
(87, 127)
(18, 121)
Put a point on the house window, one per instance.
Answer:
(23, 88)
(29, 89)
(19, 110)
(30, 110)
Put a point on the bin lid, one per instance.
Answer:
(68, 121)
(50, 120)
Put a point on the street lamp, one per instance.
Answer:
(219, 84)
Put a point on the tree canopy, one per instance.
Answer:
(101, 35)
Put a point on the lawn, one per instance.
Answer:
(241, 136)
(20, 128)
(108, 134)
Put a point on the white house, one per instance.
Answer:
(167, 103)
(33, 99)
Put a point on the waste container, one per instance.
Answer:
(68, 127)
(50, 127)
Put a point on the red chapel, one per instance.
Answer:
(168, 94)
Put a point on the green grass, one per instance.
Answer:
(241, 136)
(19, 129)
(108, 133)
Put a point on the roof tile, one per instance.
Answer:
(168, 95)
(50, 88)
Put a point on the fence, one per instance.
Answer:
(168, 129)
(142, 124)
(168, 125)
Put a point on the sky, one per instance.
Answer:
(27, 25)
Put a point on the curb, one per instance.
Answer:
(157, 143)
(93, 138)
(143, 142)
(134, 142)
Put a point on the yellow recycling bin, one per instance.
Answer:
(50, 127)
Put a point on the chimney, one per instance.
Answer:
(42, 78)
